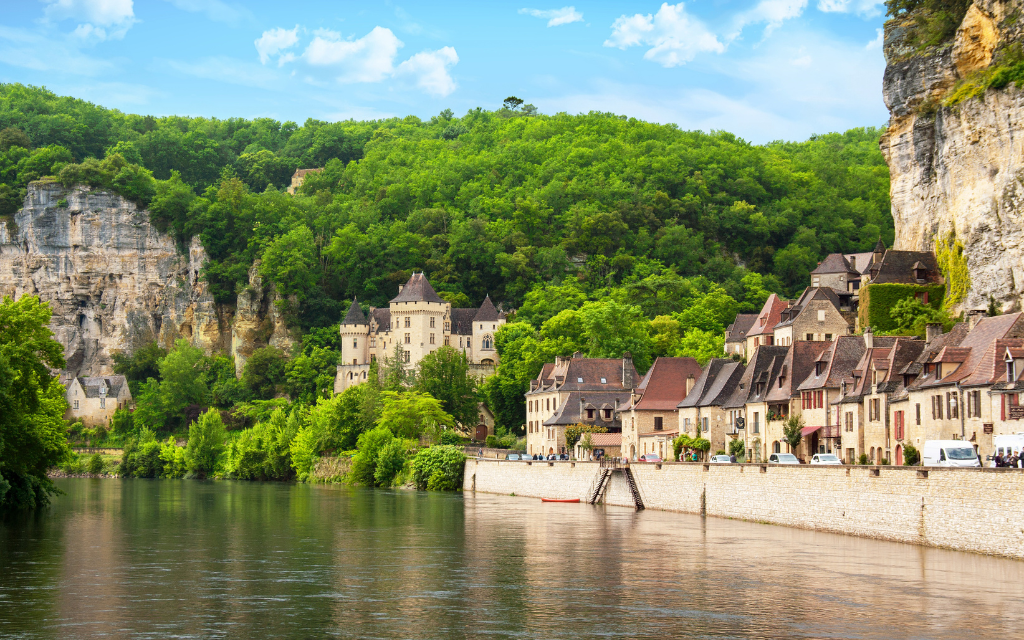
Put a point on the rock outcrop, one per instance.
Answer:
(959, 168)
(115, 282)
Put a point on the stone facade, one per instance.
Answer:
(975, 510)
(419, 322)
(94, 400)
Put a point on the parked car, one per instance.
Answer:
(783, 458)
(650, 457)
(512, 456)
(949, 453)
(825, 458)
(720, 459)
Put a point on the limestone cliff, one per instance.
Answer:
(959, 168)
(115, 282)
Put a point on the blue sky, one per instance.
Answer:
(763, 69)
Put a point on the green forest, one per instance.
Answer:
(602, 234)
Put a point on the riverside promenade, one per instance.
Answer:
(977, 510)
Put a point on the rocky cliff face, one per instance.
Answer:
(960, 167)
(115, 282)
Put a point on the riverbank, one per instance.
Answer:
(976, 510)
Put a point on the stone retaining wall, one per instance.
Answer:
(980, 510)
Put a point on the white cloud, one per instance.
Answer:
(368, 59)
(674, 36)
(98, 19)
(229, 70)
(429, 69)
(774, 12)
(29, 50)
(878, 41)
(556, 17)
(274, 41)
(862, 7)
(215, 10)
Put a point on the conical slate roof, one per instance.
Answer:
(355, 314)
(487, 312)
(879, 246)
(418, 289)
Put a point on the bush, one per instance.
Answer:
(364, 463)
(911, 456)
(439, 468)
(333, 425)
(96, 464)
(390, 460)
(491, 442)
(72, 465)
(173, 459)
(450, 437)
(141, 457)
(205, 443)
(264, 452)
(863, 459)
(122, 425)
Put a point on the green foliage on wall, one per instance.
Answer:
(877, 301)
(949, 252)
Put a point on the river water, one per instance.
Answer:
(189, 559)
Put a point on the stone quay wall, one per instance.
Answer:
(978, 510)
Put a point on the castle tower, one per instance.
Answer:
(417, 319)
(485, 323)
(355, 359)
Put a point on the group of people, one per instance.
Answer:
(1010, 459)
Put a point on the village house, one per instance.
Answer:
(603, 445)
(816, 316)
(736, 334)
(651, 420)
(93, 400)
(749, 401)
(961, 373)
(702, 412)
(783, 399)
(299, 177)
(420, 322)
(577, 390)
(763, 330)
(1003, 413)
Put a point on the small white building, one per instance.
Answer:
(93, 400)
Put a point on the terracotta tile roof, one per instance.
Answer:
(664, 386)
(978, 340)
(952, 354)
(769, 316)
(834, 263)
(487, 312)
(737, 331)
(606, 439)
(417, 289)
(355, 314)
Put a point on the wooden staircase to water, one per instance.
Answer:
(604, 479)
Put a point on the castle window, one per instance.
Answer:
(468, 340)
(493, 327)
(407, 322)
(355, 361)
(487, 343)
(349, 375)
(447, 340)
(373, 341)
(408, 339)
(76, 401)
(431, 335)
(355, 343)
(447, 326)
(406, 356)
(103, 403)
(432, 323)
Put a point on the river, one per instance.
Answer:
(189, 559)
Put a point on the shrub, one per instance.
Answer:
(264, 452)
(911, 456)
(72, 465)
(205, 443)
(96, 464)
(141, 457)
(491, 442)
(439, 468)
(736, 448)
(122, 425)
(390, 460)
(173, 459)
(364, 463)
(863, 459)
(450, 437)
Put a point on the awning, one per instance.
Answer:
(806, 431)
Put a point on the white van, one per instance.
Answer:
(949, 453)
(1008, 444)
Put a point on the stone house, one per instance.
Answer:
(763, 330)
(783, 398)
(93, 400)
(814, 317)
(608, 445)
(420, 321)
(822, 387)
(1003, 414)
(748, 401)
(651, 420)
(736, 334)
(963, 372)
(577, 390)
(299, 177)
(702, 413)
(835, 272)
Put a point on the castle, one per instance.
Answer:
(421, 322)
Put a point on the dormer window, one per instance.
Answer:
(1011, 371)
(818, 368)
(590, 414)
(607, 414)
(604, 381)
(579, 379)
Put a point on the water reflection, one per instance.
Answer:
(189, 559)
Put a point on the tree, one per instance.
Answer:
(512, 103)
(737, 448)
(701, 345)
(364, 463)
(791, 431)
(141, 365)
(32, 431)
(264, 372)
(573, 433)
(205, 443)
(913, 316)
(291, 262)
(408, 414)
(444, 374)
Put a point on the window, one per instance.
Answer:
(1011, 371)
(897, 420)
(876, 409)
(658, 424)
(936, 407)
(819, 399)
(607, 414)
(373, 342)
(686, 423)
(355, 361)
(974, 404)
(447, 341)
(757, 426)
(821, 315)
(407, 320)
(406, 355)
(705, 424)
(431, 323)
(952, 408)
(76, 401)
(103, 403)
(431, 338)
(549, 404)
(488, 343)
(917, 412)
(849, 421)
(590, 414)
(810, 338)
(604, 381)
(468, 340)
(408, 338)
(828, 337)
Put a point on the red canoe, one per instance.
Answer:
(559, 500)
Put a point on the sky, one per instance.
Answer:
(762, 69)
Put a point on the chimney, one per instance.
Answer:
(689, 383)
(582, 402)
(932, 330)
(627, 370)
(973, 316)
(400, 287)
(577, 355)
(869, 338)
